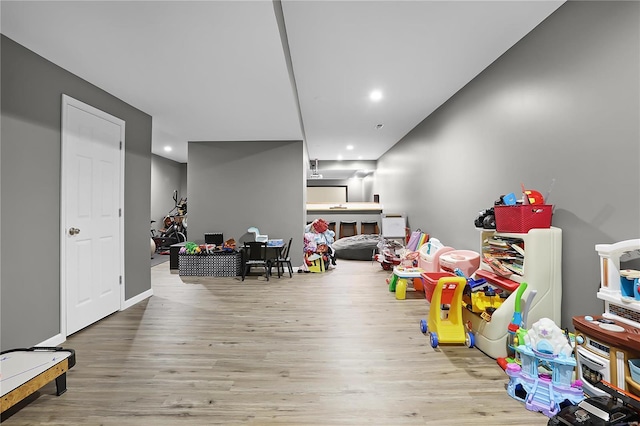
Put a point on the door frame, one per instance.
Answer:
(66, 102)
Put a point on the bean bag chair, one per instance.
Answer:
(358, 247)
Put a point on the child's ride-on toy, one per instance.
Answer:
(447, 326)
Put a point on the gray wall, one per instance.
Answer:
(564, 104)
(233, 186)
(30, 117)
(367, 188)
(166, 176)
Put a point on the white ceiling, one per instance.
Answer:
(217, 70)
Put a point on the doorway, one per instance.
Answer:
(92, 196)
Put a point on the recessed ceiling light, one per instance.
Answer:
(168, 149)
(359, 157)
(350, 147)
(379, 126)
(375, 96)
(339, 157)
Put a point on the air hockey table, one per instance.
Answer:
(24, 371)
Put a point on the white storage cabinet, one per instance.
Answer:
(541, 270)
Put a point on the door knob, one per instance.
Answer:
(74, 231)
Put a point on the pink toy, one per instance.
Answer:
(429, 255)
(467, 261)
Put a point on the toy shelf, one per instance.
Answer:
(539, 259)
(620, 305)
(504, 254)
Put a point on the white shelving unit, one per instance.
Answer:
(541, 270)
(617, 306)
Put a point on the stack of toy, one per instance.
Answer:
(318, 251)
(190, 248)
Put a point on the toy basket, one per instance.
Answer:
(634, 369)
(429, 282)
(522, 218)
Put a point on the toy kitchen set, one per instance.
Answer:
(606, 343)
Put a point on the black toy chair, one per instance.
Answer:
(255, 254)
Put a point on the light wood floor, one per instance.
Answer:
(317, 349)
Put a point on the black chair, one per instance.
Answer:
(254, 253)
(284, 259)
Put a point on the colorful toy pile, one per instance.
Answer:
(193, 248)
(318, 251)
(190, 248)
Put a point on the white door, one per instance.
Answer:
(91, 215)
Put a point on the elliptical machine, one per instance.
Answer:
(174, 229)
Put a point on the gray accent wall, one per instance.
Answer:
(30, 158)
(234, 186)
(562, 104)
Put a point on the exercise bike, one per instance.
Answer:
(175, 226)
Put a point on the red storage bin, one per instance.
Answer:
(521, 218)
(429, 281)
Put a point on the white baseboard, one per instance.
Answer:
(137, 299)
(53, 341)
(59, 338)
